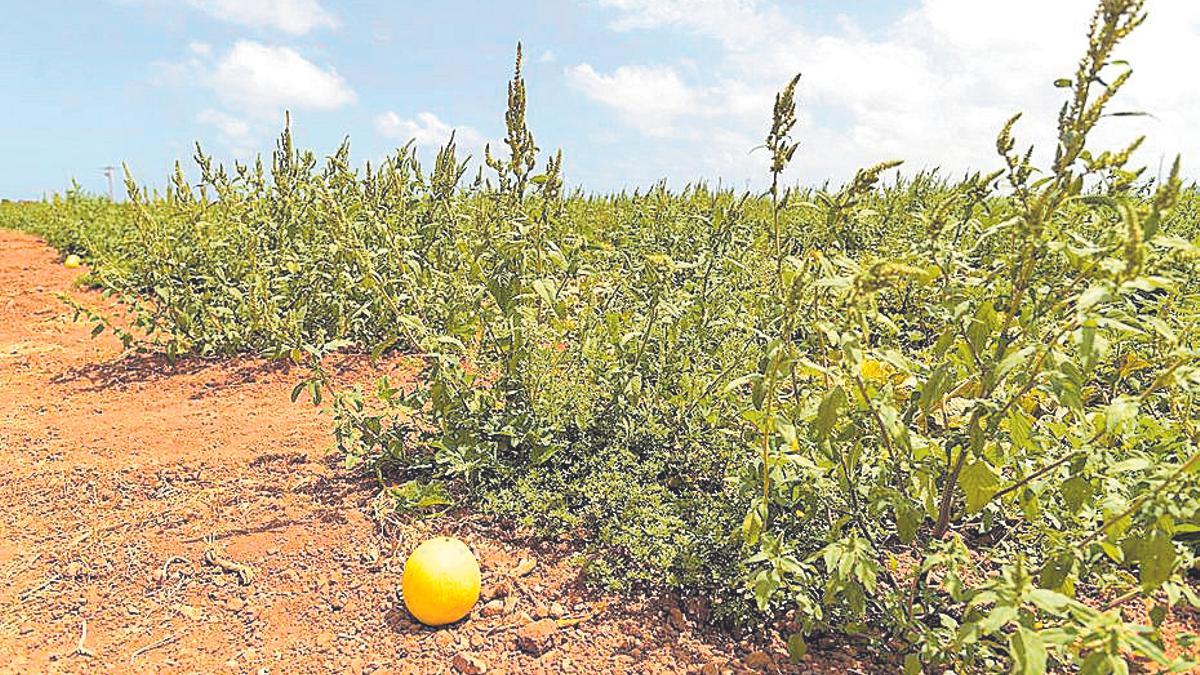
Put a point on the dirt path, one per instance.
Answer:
(119, 472)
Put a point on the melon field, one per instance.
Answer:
(914, 423)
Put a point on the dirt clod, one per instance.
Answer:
(537, 636)
(470, 665)
(524, 568)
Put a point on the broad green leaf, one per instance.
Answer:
(1120, 413)
(908, 519)
(1076, 492)
(752, 524)
(1156, 560)
(1031, 504)
(796, 647)
(934, 387)
(1131, 464)
(1056, 572)
(996, 619)
(1013, 359)
(1020, 427)
(1091, 297)
(1028, 652)
(1049, 601)
(1113, 552)
(979, 483)
(827, 413)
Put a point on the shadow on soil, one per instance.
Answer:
(131, 369)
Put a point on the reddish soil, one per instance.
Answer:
(120, 471)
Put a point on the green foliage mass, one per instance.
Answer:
(954, 413)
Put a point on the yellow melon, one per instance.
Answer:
(441, 581)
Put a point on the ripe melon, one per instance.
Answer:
(441, 581)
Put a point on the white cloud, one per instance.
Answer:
(252, 84)
(649, 98)
(264, 80)
(547, 56)
(933, 88)
(294, 17)
(427, 130)
(233, 132)
(257, 80)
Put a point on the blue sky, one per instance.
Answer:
(632, 90)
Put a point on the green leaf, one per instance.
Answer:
(1056, 572)
(996, 619)
(1013, 360)
(827, 413)
(1156, 560)
(796, 647)
(542, 454)
(979, 483)
(934, 387)
(765, 584)
(1049, 601)
(1092, 297)
(1028, 652)
(1120, 413)
(1076, 491)
(545, 290)
(908, 519)
(1020, 427)
(1131, 464)
(1157, 613)
(752, 524)
(1031, 505)
(788, 432)
(1114, 553)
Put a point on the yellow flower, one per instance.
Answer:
(1133, 363)
(874, 371)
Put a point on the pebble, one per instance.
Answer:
(524, 567)
(470, 665)
(537, 637)
(497, 590)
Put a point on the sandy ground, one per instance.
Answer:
(119, 472)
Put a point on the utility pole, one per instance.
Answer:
(108, 173)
